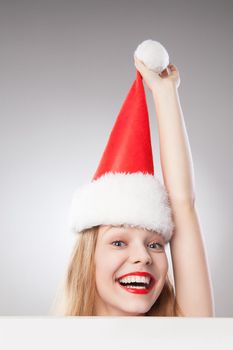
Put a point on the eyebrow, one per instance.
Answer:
(122, 228)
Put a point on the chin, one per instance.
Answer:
(137, 309)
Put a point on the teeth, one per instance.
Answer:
(130, 279)
(137, 287)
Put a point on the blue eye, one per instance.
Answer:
(160, 245)
(117, 242)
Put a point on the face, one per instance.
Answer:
(137, 253)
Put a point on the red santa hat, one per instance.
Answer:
(124, 189)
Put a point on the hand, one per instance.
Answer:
(156, 81)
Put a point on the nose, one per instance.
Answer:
(140, 254)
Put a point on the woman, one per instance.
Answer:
(122, 270)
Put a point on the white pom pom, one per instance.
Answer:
(153, 55)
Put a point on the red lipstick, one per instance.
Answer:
(135, 290)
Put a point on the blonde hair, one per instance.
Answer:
(77, 294)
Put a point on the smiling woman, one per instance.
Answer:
(125, 216)
(140, 254)
(96, 265)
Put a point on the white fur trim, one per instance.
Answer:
(135, 199)
(153, 55)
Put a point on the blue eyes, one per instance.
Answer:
(117, 242)
(117, 245)
(160, 245)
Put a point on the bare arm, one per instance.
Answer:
(191, 275)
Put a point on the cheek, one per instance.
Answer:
(107, 263)
(161, 264)
(165, 264)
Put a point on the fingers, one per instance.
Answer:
(164, 73)
(175, 73)
(172, 67)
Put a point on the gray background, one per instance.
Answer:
(66, 67)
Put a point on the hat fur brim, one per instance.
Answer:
(135, 199)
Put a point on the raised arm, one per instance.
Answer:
(191, 275)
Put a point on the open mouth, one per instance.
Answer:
(137, 287)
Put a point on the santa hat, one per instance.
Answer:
(124, 189)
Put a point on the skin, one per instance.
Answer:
(138, 250)
(193, 286)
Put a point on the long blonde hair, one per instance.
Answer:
(77, 295)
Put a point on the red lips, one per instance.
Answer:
(137, 273)
(136, 290)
